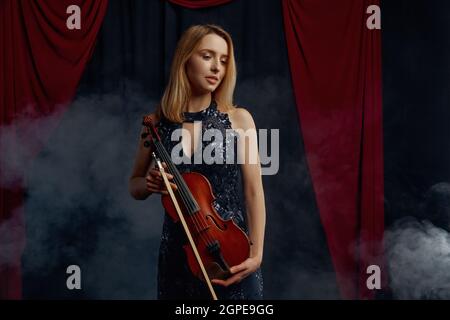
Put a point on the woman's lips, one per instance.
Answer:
(211, 80)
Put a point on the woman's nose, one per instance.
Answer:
(215, 66)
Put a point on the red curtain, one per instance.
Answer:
(42, 61)
(335, 63)
(197, 4)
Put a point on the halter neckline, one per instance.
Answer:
(199, 115)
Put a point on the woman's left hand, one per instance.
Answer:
(240, 271)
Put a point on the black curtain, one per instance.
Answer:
(416, 83)
(416, 96)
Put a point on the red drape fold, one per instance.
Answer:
(42, 62)
(335, 63)
(198, 4)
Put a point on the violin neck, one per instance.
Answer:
(183, 191)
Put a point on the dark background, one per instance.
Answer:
(416, 102)
(94, 223)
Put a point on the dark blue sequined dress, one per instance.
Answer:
(175, 280)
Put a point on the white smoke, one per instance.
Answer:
(78, 209)
(418, 255)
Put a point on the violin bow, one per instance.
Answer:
(185, 227)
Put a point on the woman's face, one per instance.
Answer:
(206, 67)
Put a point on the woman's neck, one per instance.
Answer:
(199, 103)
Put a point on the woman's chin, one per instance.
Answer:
(205, 89)
(209, 89)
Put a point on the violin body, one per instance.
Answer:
(220, 243)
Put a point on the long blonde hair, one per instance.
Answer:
(178, 90)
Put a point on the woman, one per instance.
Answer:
(198, 97)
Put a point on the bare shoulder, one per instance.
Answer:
(241, 118)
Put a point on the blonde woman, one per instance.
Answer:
(198, 98)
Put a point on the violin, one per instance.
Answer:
(214, 244)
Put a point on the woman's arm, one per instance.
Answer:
(252, 180)
(254, 194)
(137, 183)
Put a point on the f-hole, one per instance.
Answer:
(223, 228)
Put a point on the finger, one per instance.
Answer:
(156, 173)
(153, 187)
(157, 190)
(238, 268)
(155, 180)
(152, 176)
(237, 278)
(234, 279)
(156, 177)
(218, 281)
(172, 185)
(169, 176)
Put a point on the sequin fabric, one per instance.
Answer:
(175, 280)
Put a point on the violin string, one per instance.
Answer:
(199, 225)
(182, 188)
(184, 194)
(161, 154)
(193, 215)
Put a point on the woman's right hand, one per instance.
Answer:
(155, 183)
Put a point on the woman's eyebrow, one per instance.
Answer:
(214, 52)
